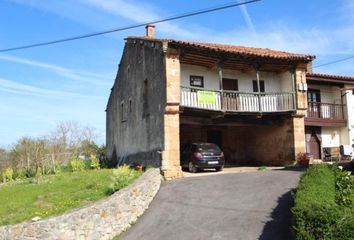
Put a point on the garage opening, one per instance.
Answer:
(245, 142)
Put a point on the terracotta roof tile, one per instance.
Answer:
(325, 76)
(242, 50)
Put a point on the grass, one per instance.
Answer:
(52, 195)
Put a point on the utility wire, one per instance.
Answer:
(333, 62)
(175, 17)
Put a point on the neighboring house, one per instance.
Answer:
(329, 121)
(252, 102)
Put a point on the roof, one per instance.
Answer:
(233, 49)
(329, 78)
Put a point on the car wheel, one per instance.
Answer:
(192, 168)
(219, 169)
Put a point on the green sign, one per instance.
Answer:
(206, 97)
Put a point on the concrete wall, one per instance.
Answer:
(274, 82)
(104, 219)
(331, 137)
(349, 101)
(135, 111)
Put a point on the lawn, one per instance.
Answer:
(52, 194)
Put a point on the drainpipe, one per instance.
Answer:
(259, 90)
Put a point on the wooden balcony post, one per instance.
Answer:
(293, 88)
(221, 87)
(259, 90)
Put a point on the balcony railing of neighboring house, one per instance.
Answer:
(234, 101)
(325, 111)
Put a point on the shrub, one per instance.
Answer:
(317, 212)
(302, 159)
(7, 174)
(19, 174)
(122, 177)
(344, 188)
(77, 165)
(94, 162)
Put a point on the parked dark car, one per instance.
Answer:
(198, 156)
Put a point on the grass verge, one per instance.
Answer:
(54, 194)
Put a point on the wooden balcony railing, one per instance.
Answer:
(233, 101)
(327, 111)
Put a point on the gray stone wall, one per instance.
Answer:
(135, 109)
(102, 220)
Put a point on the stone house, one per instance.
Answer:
(252, 102)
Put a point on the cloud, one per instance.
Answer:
(139, 12)
(248, 19)
(76, 75)
(19, 88)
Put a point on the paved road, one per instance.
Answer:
(253, 205)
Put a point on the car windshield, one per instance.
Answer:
(208, 147)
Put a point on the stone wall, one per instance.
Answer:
(136, 106)
(102, 220)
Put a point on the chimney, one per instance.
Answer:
(150, 31)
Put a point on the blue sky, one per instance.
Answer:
(40, 87)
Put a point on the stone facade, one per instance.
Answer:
(102, 220)
(136, 106)
(170, 159)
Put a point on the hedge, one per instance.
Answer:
(317, 214)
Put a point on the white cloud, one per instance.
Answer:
(82, 76)
(248, 19)
(139, 12)
(20, 88)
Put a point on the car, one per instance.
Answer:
(198, 156)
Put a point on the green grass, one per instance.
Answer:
(51, 195)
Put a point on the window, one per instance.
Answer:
(314, 95)
(130, 105)
(146, 99)
(230, 84)
(121, 111)
(196, 81)
(261, 84)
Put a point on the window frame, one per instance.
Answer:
(193, 78)
(235, 80)
(255, 86)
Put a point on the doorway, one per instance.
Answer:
(313, 142)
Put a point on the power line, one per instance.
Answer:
(335, 61)
(175, 17)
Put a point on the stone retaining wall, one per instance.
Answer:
(102, 220)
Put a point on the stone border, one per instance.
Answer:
(104, 219)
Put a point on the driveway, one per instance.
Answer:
(252, 205)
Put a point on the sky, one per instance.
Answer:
(71, 81)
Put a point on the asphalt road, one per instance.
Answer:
(253, 205)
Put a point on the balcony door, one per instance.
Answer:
(314, 99)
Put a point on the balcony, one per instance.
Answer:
(325, 114)
(236, 102)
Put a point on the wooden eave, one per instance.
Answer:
(328, 81)
(320, 122)
(233, 61)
